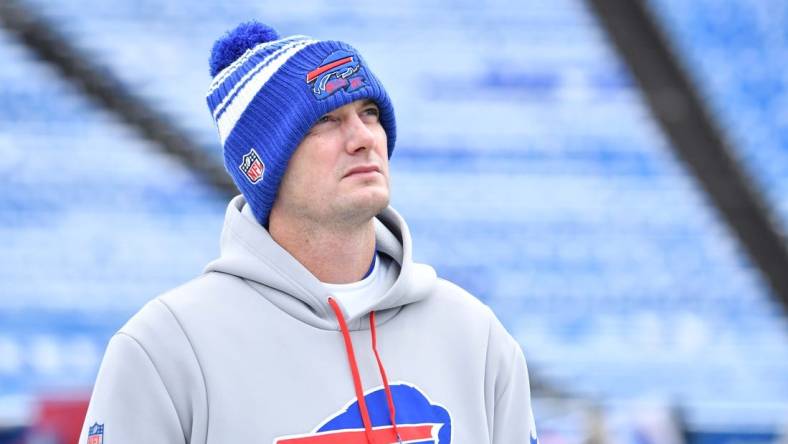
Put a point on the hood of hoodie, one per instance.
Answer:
(249, 252)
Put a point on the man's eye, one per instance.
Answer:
(372, 111)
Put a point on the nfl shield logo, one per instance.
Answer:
(96, 434)
(252, 166)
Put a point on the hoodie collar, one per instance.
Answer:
(249, 252)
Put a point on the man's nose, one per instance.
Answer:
(358, 135)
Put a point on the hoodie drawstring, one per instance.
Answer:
(351, 357)
(383, 376)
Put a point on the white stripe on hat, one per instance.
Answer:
(236, 107)
(242, 82)
(224, 73)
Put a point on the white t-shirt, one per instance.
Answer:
(351, 296)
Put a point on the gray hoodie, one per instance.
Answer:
(252, 351)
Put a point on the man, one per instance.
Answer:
(283, 339)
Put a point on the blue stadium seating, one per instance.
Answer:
(94, 222)
(527, 165)
(734, 52)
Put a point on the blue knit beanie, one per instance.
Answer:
(268, 91)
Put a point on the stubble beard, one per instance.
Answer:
(354, 212)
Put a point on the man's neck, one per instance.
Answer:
(334, 255)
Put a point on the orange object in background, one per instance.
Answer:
(59, 419)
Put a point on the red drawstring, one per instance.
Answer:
(362, 405)
(351, 357)
(383, 374)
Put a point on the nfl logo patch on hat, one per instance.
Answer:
(96, 434)
(252, 166)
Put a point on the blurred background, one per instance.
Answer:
(611, 177)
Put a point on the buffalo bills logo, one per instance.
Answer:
(252, 167)
(341, 70)
(418, 421)
(96, 434)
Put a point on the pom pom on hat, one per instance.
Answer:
(235, 42)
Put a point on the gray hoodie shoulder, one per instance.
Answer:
(159, 333)
(505, 366)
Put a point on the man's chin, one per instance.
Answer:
(366, 205)
(374, 204)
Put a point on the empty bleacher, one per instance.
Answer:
(95, 222)
(735, 53)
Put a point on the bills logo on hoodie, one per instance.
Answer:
(341, 70)
(96, 434)
(418, 421)
(252, 166)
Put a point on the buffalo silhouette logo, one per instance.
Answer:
(419, 420)
(340, 71)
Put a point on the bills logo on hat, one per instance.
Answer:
(418, 421)
(96, 434)
(252, 166)
(341, 70)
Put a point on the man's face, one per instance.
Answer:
(339, 172)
